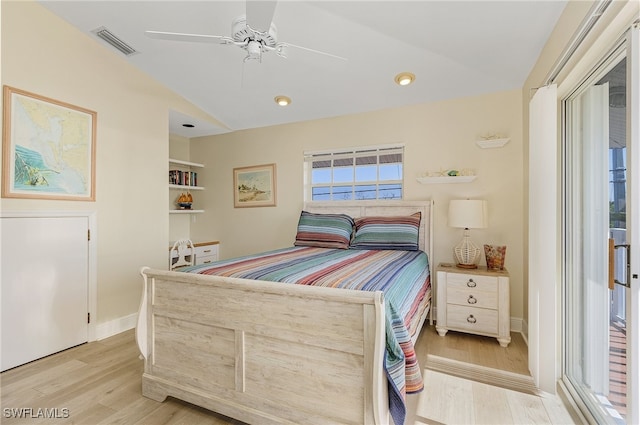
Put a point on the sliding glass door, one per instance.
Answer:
(597, 215)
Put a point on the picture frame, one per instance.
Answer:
(48, 148)
(254, 186)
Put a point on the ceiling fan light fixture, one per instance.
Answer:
(282, 100)
(405, 78)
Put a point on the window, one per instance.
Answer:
(354, 174)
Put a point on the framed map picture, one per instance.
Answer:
(254, 186)
(48, 148)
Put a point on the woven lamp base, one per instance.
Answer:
(466, 253)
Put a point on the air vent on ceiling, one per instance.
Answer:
(113, 40)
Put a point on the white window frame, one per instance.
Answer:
(352, 153)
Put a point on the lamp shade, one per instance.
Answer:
(468, 213)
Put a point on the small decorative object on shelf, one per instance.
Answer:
(495, 256)
(184, 202)
(466, 175)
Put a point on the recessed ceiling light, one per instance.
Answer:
(405, 78)
(188, 125)
(282, 100)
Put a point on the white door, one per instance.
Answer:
(45, 266)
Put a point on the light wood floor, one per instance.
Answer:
(475, 349)
(99, 383)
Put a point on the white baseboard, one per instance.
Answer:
(516, 324)
(116, 326)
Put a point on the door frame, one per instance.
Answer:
(628, 46)
(633, 155)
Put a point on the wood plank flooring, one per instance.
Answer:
(99, 383)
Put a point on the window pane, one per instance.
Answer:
(321, 175)
(391, 172)
(389, 158)
(343, 175)
(322, 164)
(390, 191)
(365, 192)
(366, 173)
(343, 162)
(365, 160)
(322, 193)
(342, 193)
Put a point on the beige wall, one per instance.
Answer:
(436, 136)
(43, 54)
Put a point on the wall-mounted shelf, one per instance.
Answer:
(492, 143)
(185, 163)
(184, 187)
(185, 211)
(446, 179)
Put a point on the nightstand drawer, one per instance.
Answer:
(471, 297)
(206, 250)
(206, 254)
(472, 319)
(471, 281)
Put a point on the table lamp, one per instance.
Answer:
(467, 214)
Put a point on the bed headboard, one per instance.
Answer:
(383, 208)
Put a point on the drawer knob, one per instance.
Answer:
(471, 283)
(471, 319)
(472, 299)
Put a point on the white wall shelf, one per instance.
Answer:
(183, 187)
(185, 163)
(446, 179)
(492, 143)
(185, 211)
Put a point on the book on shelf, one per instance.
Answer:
(183, 178)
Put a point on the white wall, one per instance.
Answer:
(437, 136)
(43, 54)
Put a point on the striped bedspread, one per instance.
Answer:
(403, 276)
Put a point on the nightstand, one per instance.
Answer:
(474, 301)
(205, 252)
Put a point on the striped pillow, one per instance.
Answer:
(387, 232)
(324, 230)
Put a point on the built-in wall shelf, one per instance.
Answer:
(185, 211)
(492, 143)
(183, 177)
(185, 187)
(446, 179)
(185, 163)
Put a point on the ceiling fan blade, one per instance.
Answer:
(179, 36)
(280, 47)
(260, 14)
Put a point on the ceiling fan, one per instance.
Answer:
(254, 32)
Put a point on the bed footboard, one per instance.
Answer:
(264, 352)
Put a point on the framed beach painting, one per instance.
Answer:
(48, 148)
(254, 186)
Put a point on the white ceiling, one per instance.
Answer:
(455, 49)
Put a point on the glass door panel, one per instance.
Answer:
(595, 212)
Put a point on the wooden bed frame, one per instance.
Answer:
(264, 352)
